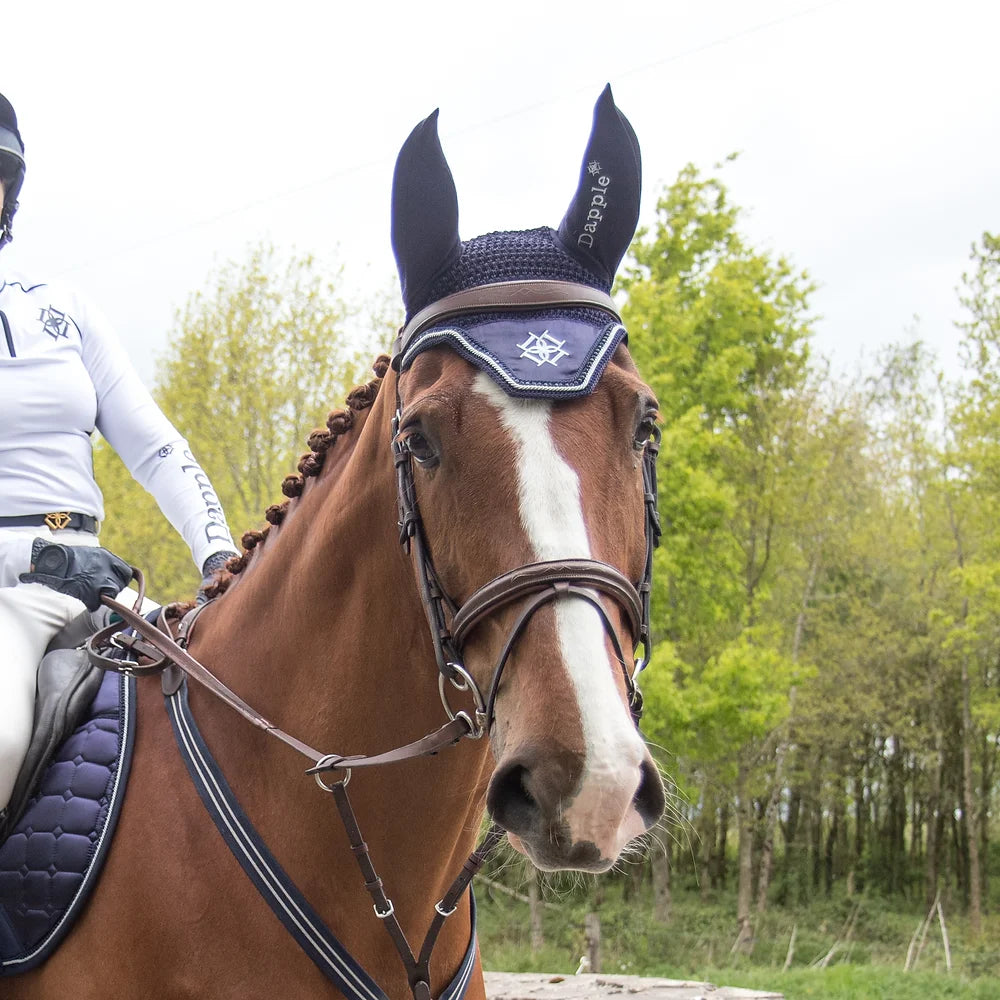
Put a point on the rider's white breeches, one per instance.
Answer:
(30, 616)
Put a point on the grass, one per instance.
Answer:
(696, 945)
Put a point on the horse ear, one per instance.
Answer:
(604, 211)
(424, 212)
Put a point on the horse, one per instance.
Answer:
(510, 612)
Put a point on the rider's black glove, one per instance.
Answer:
(81, 571)
(213, 564)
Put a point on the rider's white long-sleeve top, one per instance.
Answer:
(64, 374)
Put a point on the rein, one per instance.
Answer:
(175, 663)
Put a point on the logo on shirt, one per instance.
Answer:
(54, 322)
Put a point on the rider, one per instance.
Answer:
(63, 374)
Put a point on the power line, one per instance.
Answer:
(380, 161)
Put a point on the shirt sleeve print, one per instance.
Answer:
(154, 452)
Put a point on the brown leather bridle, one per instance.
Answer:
(537, 583)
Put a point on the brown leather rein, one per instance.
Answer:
(170, 657)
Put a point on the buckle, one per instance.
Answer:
(57, 520)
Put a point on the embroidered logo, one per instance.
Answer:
(165, 450)
(598, 205)
(543, 349)
(54, 322)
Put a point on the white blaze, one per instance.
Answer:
(552, 516)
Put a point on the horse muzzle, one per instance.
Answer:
(563, 812)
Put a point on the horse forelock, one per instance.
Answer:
(342, 427)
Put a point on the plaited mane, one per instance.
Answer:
(320, 441)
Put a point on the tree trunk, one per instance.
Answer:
(860, 827)
(592, 931)
(792, 890)
(834, 838)
(987, 772)
(968, 793)
(969, 807)
(707, 825)
(744, 894)
(766, 858)
(535, 909)
(721, 866)
(660, 863)
(816, 842)
(931, 857)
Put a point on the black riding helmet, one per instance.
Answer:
(11, 166)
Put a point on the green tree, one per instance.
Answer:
(720, 331)
(970, 627)
(257, 360)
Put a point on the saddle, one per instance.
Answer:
(66, 685)
(67, 798)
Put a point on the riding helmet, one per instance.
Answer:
(11, 166)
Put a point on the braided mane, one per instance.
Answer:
(320, 441)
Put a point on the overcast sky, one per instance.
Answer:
(162, 140)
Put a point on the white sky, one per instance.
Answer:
(163, 139)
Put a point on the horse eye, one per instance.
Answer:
(645, 430)
(420, 448)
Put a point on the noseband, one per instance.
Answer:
(537, 584)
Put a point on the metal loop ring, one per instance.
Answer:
(388, 913)
(331, 757)
(443, 912)
(477, 726)
(466, 683)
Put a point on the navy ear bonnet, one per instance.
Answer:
(554, 352)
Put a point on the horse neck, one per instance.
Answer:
(326, 636)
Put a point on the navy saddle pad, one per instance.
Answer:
(50, 862)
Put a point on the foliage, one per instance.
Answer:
(825, 688)
(257, 360)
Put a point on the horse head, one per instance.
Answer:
(513, 358)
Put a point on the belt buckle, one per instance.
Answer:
(57, 520)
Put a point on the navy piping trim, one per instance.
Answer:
(279, 892)
(456, 989)
(263, 869)
(484, 359)
(126, 701)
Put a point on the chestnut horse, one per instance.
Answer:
(524, 493)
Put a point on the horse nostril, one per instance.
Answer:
(649, 798)
(509, 801)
